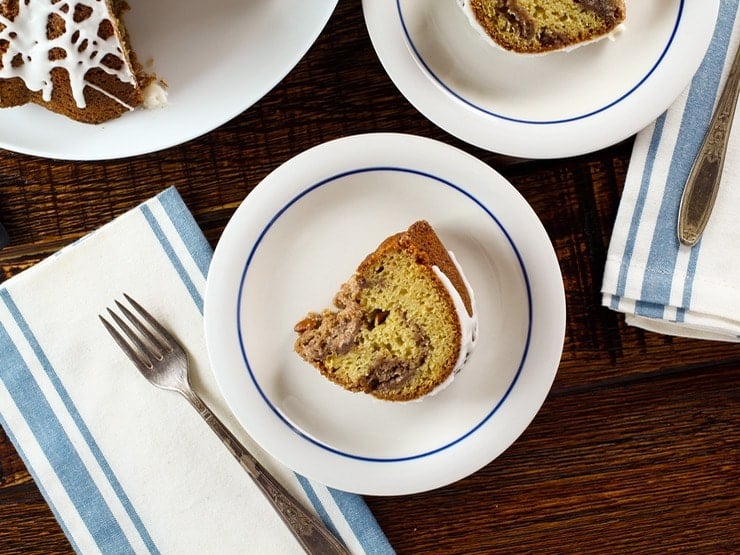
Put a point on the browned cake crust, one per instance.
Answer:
(421, 240)
(118, 97)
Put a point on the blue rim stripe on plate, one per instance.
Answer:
(462, 99)
(256, 245)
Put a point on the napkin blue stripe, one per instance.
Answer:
(688, 288)
(642, 194)
(649, 309)
(371, 539)
(355, 512)
(58, 449)
(38, 482)
(664, 250)
(316, 502)
(35, 400)
(187, 228)
(172, 255)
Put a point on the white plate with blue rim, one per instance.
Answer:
(217, 60)
(557, 105)
(302, 232)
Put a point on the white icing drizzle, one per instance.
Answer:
(468, 322)
(27, 38)
(109, 95)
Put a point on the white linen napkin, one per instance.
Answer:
(658, 283)
(127, 467)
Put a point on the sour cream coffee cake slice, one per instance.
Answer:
(403, 324)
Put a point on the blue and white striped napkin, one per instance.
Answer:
(658, 283)
(124, 466)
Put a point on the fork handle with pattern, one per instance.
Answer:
(703, 181)
(307, 528)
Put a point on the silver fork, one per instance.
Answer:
(163, 361)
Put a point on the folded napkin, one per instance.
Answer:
(658, 283)
(124, 466)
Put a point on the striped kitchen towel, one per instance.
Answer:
(124, 466)
(658, 283)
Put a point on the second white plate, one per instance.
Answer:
(561, 104)
(302, 232)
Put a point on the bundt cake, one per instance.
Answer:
(404, 323)
(71, 57)
(541, 26)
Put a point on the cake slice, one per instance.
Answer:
(71, 57)
(404, 323)
(542, 26)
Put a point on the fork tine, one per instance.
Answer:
(149, 351)
(158, 344)
(171, 342)
(136, 356)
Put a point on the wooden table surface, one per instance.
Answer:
(635, 449)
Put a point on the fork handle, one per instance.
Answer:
(310, 532)
(703, 181)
